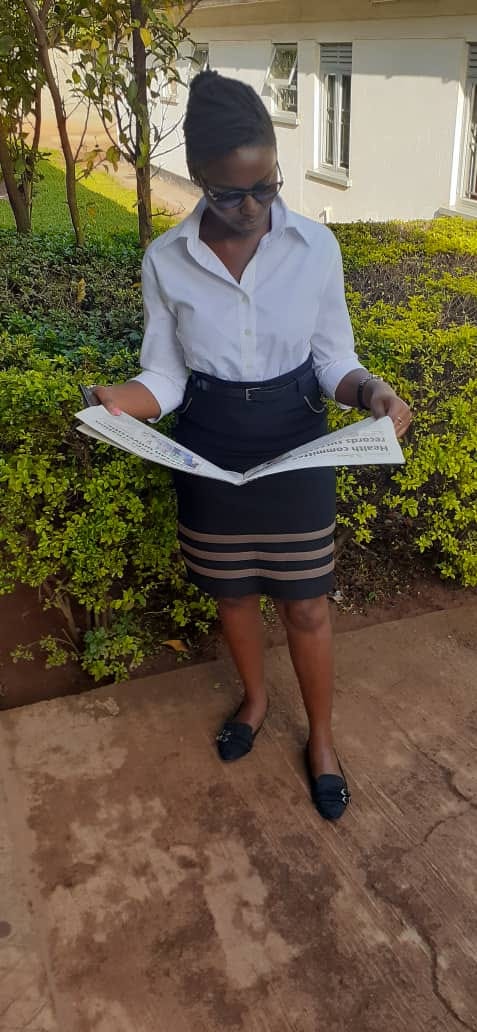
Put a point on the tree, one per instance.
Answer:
(21, 82)
(124, 51)
(47, 30)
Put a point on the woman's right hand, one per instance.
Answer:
(132, 397)
(108, 396)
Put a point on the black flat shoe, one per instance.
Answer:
(235, 740)
(329, 792)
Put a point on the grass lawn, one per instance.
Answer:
(106, 207)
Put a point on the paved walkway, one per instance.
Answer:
(152, 889)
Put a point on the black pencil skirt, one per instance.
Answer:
(273, 536)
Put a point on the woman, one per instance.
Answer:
(249, 296)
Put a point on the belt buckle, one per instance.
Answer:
(248, 392)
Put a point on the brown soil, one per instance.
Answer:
(23, 621)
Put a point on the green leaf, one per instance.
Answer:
(6, 44)
(131, 93)
(113, 156)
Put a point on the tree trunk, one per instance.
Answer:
(144, 213)
(143, 129)
(31, 156)
(44, 56)
(17, 202)
(65, 143)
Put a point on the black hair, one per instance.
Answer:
(222, 115)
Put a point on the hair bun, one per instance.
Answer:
(222, 115)
(203, 80)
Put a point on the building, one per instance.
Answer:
(374, 101)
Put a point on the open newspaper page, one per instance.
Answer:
(140, 439)
(366, 442)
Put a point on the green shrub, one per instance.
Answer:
(95, 528)
(66, 297)
(413, 312)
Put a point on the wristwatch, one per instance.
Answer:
(360, 403)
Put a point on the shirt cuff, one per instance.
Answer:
(168, 393)
(331, 375)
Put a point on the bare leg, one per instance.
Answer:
(308, 628)
(243, 630)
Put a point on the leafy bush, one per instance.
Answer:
(65, 297)
(95, 528)
(413, 311)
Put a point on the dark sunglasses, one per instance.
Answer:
(233, 198)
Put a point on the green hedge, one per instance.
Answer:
(93, 527)
(414, 310)
(96, 528)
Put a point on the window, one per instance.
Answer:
(335, 76)
(470, 143)
(199, 61)
(169, 87)
(282, 79)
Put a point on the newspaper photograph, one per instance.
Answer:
(366, 442)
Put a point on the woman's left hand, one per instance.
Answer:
(383, 401)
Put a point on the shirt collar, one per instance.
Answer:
(283, 219)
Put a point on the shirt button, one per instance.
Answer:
(247, 333)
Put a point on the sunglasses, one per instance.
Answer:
(233, 198)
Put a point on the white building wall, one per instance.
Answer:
(406, 112)
(403, 114)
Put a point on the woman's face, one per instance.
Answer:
(247, 168)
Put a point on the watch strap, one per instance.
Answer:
(361, 386)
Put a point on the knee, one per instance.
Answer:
(308, 615)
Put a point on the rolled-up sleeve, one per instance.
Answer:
(332, 344)
(164, 371)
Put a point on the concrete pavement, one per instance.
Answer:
(149, 888)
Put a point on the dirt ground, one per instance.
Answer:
(167, 892)
(23, 621)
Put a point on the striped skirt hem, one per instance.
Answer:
(259, 563)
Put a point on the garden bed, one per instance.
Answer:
(23, 620)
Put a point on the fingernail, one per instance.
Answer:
(116, 411)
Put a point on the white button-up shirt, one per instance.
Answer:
(290, 301)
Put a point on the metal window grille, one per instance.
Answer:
(282, 77)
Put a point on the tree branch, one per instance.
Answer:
(35, 18)
(83, 134)
(191, 6)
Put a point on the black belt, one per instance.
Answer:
(257, 393)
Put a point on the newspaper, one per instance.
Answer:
(366, 442)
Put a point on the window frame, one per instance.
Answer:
(194, 67)
(337, 69)
(469, 138)
(277, 86)
(169, 91)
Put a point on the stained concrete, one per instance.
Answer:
(25, 1002)
(170, 893)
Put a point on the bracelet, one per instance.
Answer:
(360, 402)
